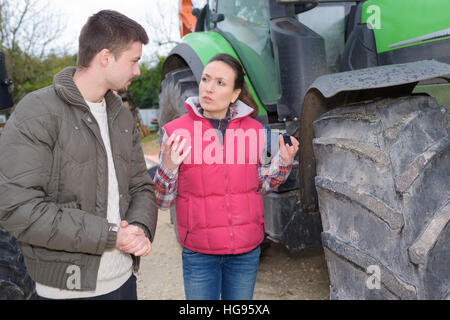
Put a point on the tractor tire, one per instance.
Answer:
(177, 86)
(15, 282)
(383, 183)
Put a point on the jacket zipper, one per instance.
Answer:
(188, 220)
(228, 208)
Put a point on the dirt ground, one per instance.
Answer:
(150, 144)
(281, 275)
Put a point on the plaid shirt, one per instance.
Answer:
(270, 176)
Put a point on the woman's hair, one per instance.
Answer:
(108, 29)
(239, 82)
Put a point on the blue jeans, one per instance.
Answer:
(211, 277)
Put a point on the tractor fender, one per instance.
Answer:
(195, 50)
(380, 77)
(336, 90)
(183, 56)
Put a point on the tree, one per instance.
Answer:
(144, 90)
(36, 73)
(27, 27)
(162, 29)
(163, 26)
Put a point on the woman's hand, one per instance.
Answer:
(287, 152)
(172, 155)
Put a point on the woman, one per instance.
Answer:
(210, 167)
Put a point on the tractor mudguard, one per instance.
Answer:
(196, 50)
(380, 77)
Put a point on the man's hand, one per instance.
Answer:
(132, 239)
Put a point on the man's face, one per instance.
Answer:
(122, 70)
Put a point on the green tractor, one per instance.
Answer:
(363, 86)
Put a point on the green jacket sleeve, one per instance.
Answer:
(142, 210)
(26, 158)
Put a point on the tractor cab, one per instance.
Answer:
(286, 45)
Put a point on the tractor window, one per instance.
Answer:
(246, 25)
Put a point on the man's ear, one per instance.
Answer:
(104, 57)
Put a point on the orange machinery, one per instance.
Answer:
(187, 19)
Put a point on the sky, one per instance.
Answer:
(158, 17)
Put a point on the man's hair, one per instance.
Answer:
(108, 29)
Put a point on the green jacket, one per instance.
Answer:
(54, 182)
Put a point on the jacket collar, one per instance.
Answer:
(238, 109)
(67, 90)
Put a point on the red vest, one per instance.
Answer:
(218, 207)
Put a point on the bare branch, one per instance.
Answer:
(16, 28)
(162, 27)
(29, 25)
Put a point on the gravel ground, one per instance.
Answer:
(281, 275)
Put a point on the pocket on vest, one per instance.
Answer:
(183, 212)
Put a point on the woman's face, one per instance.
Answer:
(216, 89)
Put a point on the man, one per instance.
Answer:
(74, 189)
